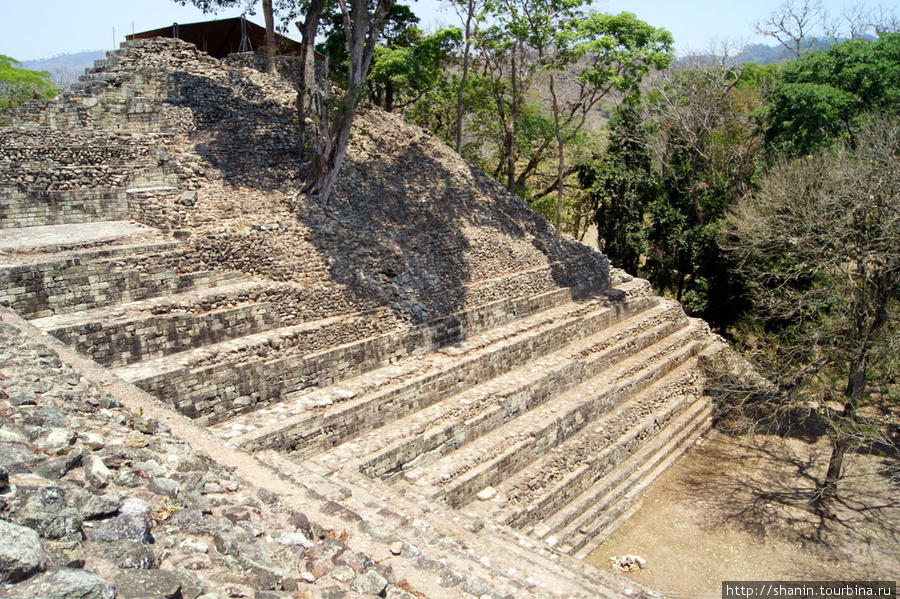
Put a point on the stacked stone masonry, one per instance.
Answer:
(476, 364)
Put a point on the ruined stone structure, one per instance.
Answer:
(424, 345)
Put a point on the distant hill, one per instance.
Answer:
(65, 69)
(763, 54)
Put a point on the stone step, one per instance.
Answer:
(145, 329)
(612, 510)
(241, 378)
(424, 436)
(66, 282)
(299, 338)
(113, 58)
(225, 379)
(575, 477)
(458, 477)
(61, 161)
(315, 421)
(100, 75)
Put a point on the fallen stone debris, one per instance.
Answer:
(628, 563)
(97, 502)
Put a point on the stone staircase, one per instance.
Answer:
(543, 408)
(552, 425)
(547, 413)
(67, 285)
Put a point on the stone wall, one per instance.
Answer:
(92, 279)
(158, 207)
(53, 177)
(28, 209)
(151, 337)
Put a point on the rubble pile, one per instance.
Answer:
(96, 501)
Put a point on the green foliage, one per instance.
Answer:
(621, 50)
(18, 85)
(400, 31)
(548, 64)
(822, 97)
(704, 143)
(621, 186)
(678, 159)
(401, 74)
(435, 110)
(807, 116)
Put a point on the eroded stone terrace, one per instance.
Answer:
(426, 340)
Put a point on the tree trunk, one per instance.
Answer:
(560, 185)
(560, 155)
(311, 97)
(269, 16)
(363, 31)
(835, 469)
(389, 96)
(511, 128)
(510, 142)
(856, 379)
(470, 14)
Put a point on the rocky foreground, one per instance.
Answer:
(98, 502)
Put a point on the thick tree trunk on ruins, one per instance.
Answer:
(470, 14)
(332, 119)
(312, 96)
(271, 44)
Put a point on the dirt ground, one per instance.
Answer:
(728, 511)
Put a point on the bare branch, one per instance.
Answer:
(794, 24)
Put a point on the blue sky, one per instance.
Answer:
(43, 28)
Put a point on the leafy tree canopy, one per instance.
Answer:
(18, 85)
(821, 96)
(401, 74)
(620, 187)
(400, 31)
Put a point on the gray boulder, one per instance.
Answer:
(45, 510)
(47, 417)
(370, 583)
(65, 554)
(21, 552)
(66, 583)
(135, 521)
(12, 457)
(131, 554)
(148, 584)
(93, 506)
(96, 473)
(164, 486)
(22, 398)
(56, 468)
(57, 440)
